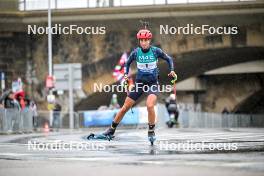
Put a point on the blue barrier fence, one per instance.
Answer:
(104, 118)
(138, 115)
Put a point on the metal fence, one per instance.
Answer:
(62, 4)
(189, 119)
(15, 121)
(56, 120)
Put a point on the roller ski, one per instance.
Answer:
(93, 136)
(108, 135)
(151, 134)
(151, 137)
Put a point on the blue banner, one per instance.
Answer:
(105, 117)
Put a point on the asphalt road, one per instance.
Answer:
(177, 151)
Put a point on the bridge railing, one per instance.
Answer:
(62, 4)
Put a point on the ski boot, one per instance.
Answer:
(108, 135)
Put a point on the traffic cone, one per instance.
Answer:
(46, 127)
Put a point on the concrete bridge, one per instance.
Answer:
(194, 54)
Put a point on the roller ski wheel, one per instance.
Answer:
(93, 136)
(170, 124)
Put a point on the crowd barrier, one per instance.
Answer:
(186, 119)
(189, 119)
(15, 121)
(12, 120)
(56, 119)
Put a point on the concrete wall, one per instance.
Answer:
(8, 5)
(227, 91)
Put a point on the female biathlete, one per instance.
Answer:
(146, 57)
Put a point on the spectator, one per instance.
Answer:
(56, 116)
(9, 101)
(171, 106)
(33, 108)
(21, 101)
(114, 102)
(225, 111)
(26, 105)
(3, 97)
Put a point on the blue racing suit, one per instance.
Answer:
(147, 70)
